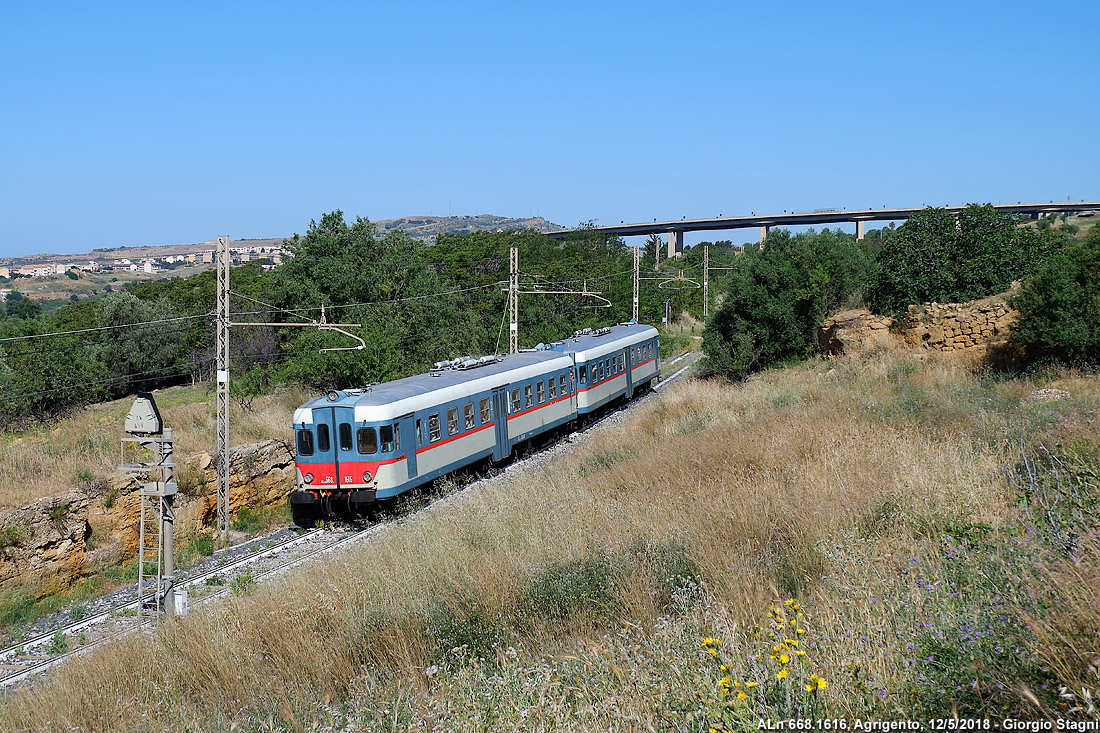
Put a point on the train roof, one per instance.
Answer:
(385, 401)
(388, 400)
(600, 342)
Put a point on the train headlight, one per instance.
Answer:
(367, 476)
(308, 478)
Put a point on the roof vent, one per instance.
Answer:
(463, 363)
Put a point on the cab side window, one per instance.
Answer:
(385, 433)
(305, 442)
(367, 440)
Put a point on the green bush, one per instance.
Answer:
(1060, 307)
(778, 296)
(936, 256)
(576, 587)
(461, 629)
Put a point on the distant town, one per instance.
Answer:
(206, 256)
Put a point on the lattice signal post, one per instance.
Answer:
(156, 562)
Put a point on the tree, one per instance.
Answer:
(46, 376)
(409, 318)
(1060, 307)
(142, 356)
(779, 295)
(20, 306)
(938, 256)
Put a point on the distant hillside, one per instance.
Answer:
(427, 228)
(424, 228)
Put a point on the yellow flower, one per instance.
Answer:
(799, 652)
(741, 696)
(792, 642)
(821, 683)
(777, 648)
(795, 607)
(800, 631)
(809, 688)
(782, 674)
(712, 652)
(724, 668)
(725, 681)
(813, 677)
(750, 684)
(784, 658)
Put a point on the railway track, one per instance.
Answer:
(43, 650)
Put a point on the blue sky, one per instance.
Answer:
(157, 123)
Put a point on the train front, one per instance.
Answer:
(338, 460)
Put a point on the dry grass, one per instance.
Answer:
(50, 460)
(576, 598)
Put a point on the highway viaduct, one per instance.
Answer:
(677, 229)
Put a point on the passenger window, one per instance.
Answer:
(468, 414)
(553, 385)
(584, 375)
(515, 400)
(540, 387)
(305, 442)
(367, 440)
(397, 436)
(433, 428)
(562, 385)
(385, 434)
(486, 411)
(595, 373)
(345, 436)
(323, 443)
(622, 363)
(528, 398)
(452, 420)
(419, 433)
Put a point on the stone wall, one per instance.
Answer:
(941, 326)
(48, 545)
(956, 326)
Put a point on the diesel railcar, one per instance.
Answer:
(357, 446)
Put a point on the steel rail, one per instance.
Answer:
(76, 626)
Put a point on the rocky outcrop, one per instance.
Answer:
(853, 330)
(45, 543)
(48, 545)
